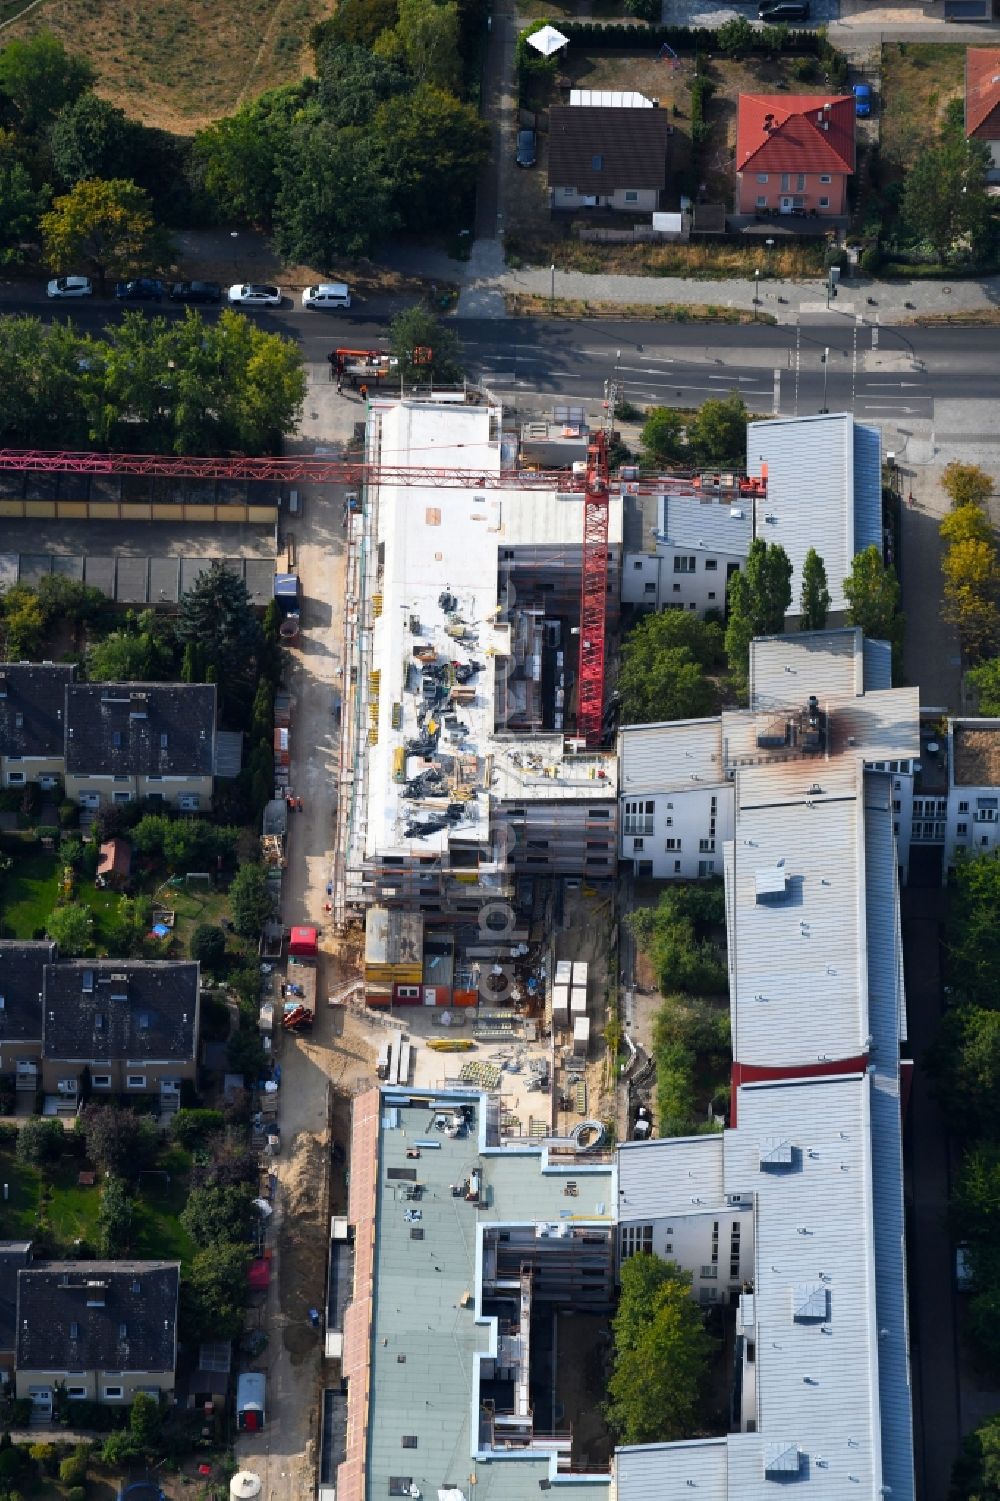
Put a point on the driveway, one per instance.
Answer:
(715, 12)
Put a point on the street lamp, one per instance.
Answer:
(552, 287)
(756, 290)
(825, 361)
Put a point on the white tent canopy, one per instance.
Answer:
(547, 40)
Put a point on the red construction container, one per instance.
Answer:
(304, 943)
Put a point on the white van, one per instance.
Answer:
(331, 294)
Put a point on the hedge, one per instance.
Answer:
(631, 36)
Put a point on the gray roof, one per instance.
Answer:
(140, 729)
(785, 669)
(21, 966)
(14, 1254)
(597, 148)
(706, 525)
(97, 1315)
(121, 1009)
(674, 1174)
(677, 755)
(824, 490)
(32, 696)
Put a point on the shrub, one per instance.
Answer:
(645, 10)
(190, 1128)
(804, 69)
(736, 37)
(77, 1493)
(73, 1470)
(40, 1140)
(870, 260)
(208, 945)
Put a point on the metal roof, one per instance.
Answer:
(671, 1472)
(707, 525)
(678, 1174)
(673, 756)
(785, 668)
(823, 491)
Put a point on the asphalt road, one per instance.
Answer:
(883, 373)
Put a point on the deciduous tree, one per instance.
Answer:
(40, 1140)
(119, 1141)
(662, 676)
(40, 77)
(72, 928)
(219, 1216)
(965, 1063)
(250, 900)
(872, 591)
(758, 598)
(717, 434)
(426, 35)
(662, 1353)
(662, 436)
(336, 196)
(114, 1218)
(815, 596)
(241, 156)
(966, 484)
(985, 679)
(353, 82)
(105, 226)
(945, 200)
(214, 1293)
(416, 332)
(91, 137)
(429, 136)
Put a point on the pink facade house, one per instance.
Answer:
(794, 154)
(982, 102)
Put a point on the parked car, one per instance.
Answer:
(196, 291)
(527, 148)
(331, 294)
(142, 289)
(862, 100)
(783, 10)
(70, 286)
(251, 294)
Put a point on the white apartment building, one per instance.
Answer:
(948, 808)
(824, 490)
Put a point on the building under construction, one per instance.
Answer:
(461, 768)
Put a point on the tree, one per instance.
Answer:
(966, 485)
(114, 1218)
(130, 926)
(976, 1476)
(418, 329)
(758, 599)
(250, 900)
(969, 602)
(717, 434)
(675, 936)
(356, 21)
(973, 930)
(104, 226)
(208, 945)
(691, 1046)
(425, 37)
(663, 664)
(337, 193)
(662, 436)
(975, 1201)
(429, 136)
(736, 37)
(815, 597)
(145, 1423)
(69, 600)
(40, 1140)
(23, 622)
(353, 82)
(966, 523)
(872, 591)
(221, 1216)
(965, 1063)
(216, 613)
(48, 377)
(139, 655)
(214, 1293)
(91, 138)
(661, 1355)
(945, 199)
(119, 1142)
(73, 1469)
(985, 680)
(72, 928)
(21, 205)
(240, 157)
(40, 77)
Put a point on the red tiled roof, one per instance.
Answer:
(982, 93)
(794, 139)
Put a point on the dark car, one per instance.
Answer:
(143, 289)
(196, 291)
(527, 148)
(784, 10)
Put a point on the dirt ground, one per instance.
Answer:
(584, 1343)
(918, 82)
(179, 64)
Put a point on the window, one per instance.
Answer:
(672, 844)
(897, 806)
(631, 196)
(408, 1441)
(639, 817)
(963, 828)
(596, 163)
(15, 776)
(824, 203)
(711, 593)
(800, 182)
(684, 565)
(645, 870)
(706, 846)
(709, 1271)
(786, 182)
(963, 807)
(649, 588)
(734, 1271)
(567, 193)
(711, 564)
(638, 844)
(135, 1081)
(761, 201)
(113, 1393)
(101, 1081)
(825, 177)
(76, 1393)
(677, 590)
(677, 867)
(637, 565)
(762, 177)
(121, 797)
(635, 1238)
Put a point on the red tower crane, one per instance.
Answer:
(595, 486)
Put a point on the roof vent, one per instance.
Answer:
(776, 1152)
(782, 1459)
(811, 1303)
(770, 885)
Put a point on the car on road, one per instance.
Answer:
(196, 291)
(254, 294)
(331, 294)
(527, 148)
(70, 286)
(783, 10)
(142, 289)
(862, 100)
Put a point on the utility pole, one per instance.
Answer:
(825, 357)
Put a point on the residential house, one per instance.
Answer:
(982, 102)
(32, 733)
(794, 154)
(132, 1022)
(608, 157)
(14, 1254)
(676, 799)
(140, 740)
(105, 1330)
(22, 967)
(699, 542)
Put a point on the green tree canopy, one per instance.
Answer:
(974, 930)
(425, 37)
(355, 21)
(214, 1293)
(114, 1217)
(945, 199)
(429, 136)
(40, 77)
(663, 664)
(971, 574)
(418, 328)
(662, 436)
(145, 1423)
(21, 205)
(691, 1045)
(216, 612)
(208, 945)
(815, 597)
(240, 158)
(872, 591)
(119, 1142)
(975, 1202)
(661, 1355)
(250, 900)
(676, 936)
(219, 1216)
(47, 380)
(91, 138)
(138, 653)
(353, 82)
(103, 226)
(985, 680)
(717, 434)
(965, 1063)
(22, 622)
(72, 928)
(40, 1140)
(336, 196)
(976, 1476)
(758, 598)
(966, 484)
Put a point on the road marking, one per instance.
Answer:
(731, 378)
(895, 385)
(777, 391)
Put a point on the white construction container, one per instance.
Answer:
(564, 972)
(578, 1002)
(581, 1036)
(560, 1004)
(580, 968)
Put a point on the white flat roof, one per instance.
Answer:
(678, 1174)
(674, 756)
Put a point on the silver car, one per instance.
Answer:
(70, 286)
(252, 294)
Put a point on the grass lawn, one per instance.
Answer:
(72, 1210)
(156, 1227)
(179, 64)
(28, 893)
(20, 1211)
(919, 79)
